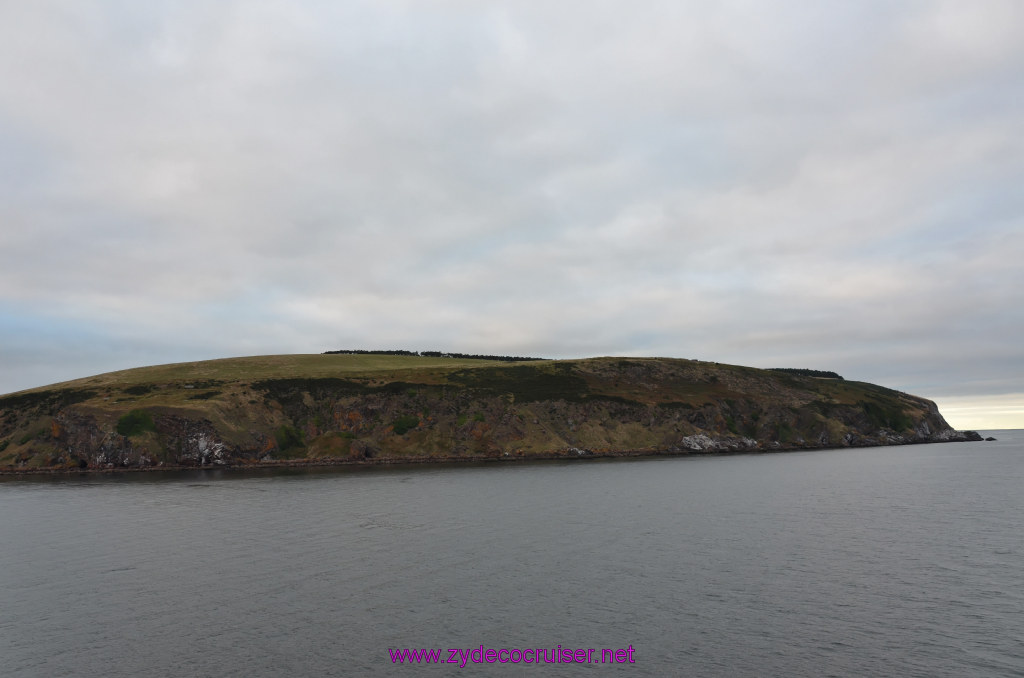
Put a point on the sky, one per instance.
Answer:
(835, 186)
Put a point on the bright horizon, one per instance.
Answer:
(983, 413)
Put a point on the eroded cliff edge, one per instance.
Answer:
(333, 409)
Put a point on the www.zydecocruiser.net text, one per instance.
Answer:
(479, 655)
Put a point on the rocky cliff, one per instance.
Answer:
(336, 408)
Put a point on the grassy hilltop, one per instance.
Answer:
(332, 408)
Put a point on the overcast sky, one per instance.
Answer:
(837, 186)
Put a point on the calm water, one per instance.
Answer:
(879, 562)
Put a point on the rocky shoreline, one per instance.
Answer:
(697, 445)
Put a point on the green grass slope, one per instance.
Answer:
(334, 408)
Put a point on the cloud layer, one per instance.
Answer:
(784, 184)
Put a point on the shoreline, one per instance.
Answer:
(569, 454)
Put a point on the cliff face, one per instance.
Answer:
(415, 410)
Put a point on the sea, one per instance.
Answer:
(889, 561)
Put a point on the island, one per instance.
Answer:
(365, 407)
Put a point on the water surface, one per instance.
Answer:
(903, 561)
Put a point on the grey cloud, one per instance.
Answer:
(796, 183)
